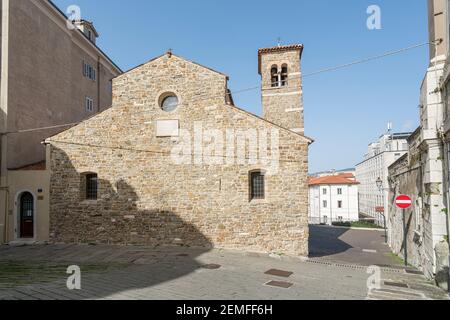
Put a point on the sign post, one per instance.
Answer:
(380, 210)
(404, 202)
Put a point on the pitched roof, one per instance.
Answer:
(293, 47)
(171, 54)
(338, 179)
(40, 166)
(308, 139)
(347, 175)
(228, 97)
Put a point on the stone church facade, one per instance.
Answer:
(175, 162)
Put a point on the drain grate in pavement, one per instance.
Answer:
(414, 271)
(182, 255)
(279, 284)
(211, 266)
(279, 273)
(353, 266)
(395, 284)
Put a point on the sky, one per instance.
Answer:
(345, 110)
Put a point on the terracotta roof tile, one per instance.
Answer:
(281, 48)
(293, 47)
(338, 179)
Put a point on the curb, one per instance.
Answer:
(349, 228)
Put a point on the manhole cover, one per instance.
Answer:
(395, 284)
(279, 284)
(211, 266)
(279, 273)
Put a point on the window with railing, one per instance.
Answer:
(257, 185)
(91, 186)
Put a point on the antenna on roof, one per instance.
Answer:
(169, 52)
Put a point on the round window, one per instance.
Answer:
(169, 103)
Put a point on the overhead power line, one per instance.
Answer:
(41, 128)
(236, 92)
(365, 60)
(167, 153)
(347, 65)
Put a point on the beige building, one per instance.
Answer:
(174, 161)
(52, 74)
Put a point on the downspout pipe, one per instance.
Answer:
(331, 204)
(6, 229)
(98, 84)
(4, 187)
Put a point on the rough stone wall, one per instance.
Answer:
(283, 106)
(406, 177)
(145, 197)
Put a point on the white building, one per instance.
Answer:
(373, 202)
(334, 172)
(333, 199)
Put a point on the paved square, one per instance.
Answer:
(140, 273)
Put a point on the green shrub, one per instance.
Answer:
(356, 224)
(342, 224)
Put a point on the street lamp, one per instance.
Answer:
(380, 184)
(381, 189)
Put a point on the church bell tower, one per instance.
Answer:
(282, 94)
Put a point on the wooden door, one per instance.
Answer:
(26, 216)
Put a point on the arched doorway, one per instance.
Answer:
(26, 215)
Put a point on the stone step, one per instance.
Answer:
(395, 294)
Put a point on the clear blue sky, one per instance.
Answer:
(345, 110)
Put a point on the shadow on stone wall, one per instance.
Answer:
(408, 182)
(324, 241)
(161, 237)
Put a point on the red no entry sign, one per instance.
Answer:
(403, 202)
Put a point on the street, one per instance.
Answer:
(364, 247)
(141, 273)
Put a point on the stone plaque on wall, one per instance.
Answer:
(167, 128)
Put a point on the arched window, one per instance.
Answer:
(275, 80)
(284, 75)
(91, 186)
(257, 185)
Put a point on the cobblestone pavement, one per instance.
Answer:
(140, 273)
